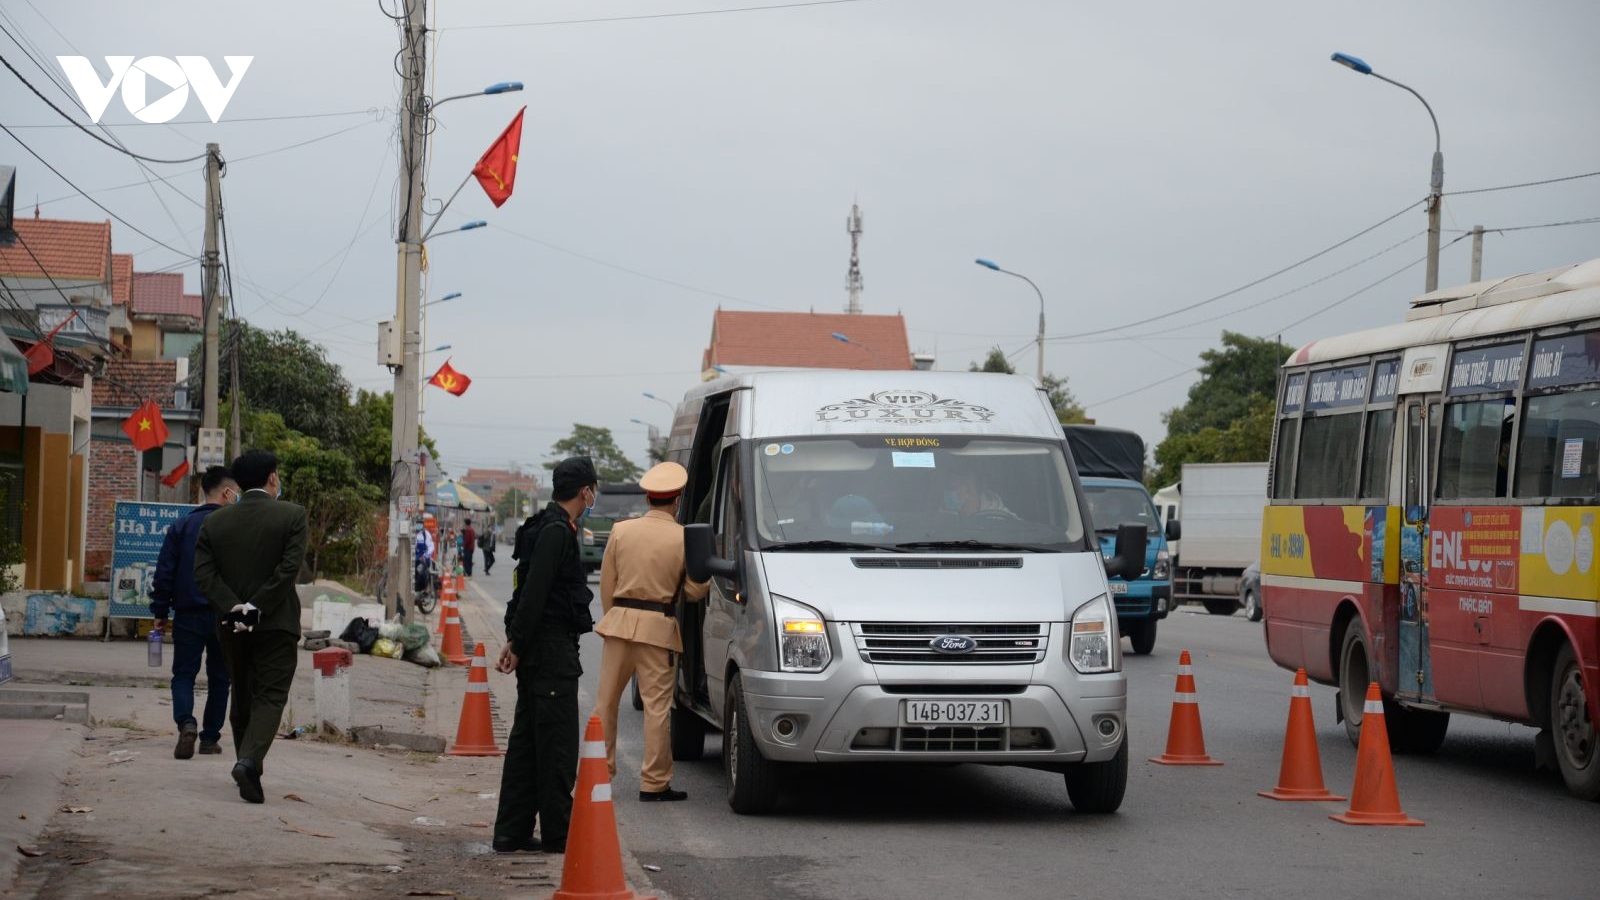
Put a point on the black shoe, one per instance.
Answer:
(208, 747)
(555, 846)
(663, 796)
(186, 737)
(512, 845)
(248, 779)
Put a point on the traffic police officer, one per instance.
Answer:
(548, 611)
(641, 578)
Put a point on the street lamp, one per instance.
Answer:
(438, 348)
(446, 298)
(499, 87)
(1435, 182)
(987, 264)
(846, 339)
(669, 403)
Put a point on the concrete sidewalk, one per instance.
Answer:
(340, 819)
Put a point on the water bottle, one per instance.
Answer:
(875, 529)
(155, 648)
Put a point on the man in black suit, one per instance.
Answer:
(246, 562)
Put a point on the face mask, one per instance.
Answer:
(593, 497)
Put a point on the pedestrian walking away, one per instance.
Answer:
(641, 581)
(246, 562)
(193, 623)
(549, 609)
(469, 546)
(486, 542)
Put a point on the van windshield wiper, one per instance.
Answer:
(974, 545)
(829, 545)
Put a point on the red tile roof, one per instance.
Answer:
(76, 250)
(161, 294)
(130, 382)
(806, 340)
(121, 277)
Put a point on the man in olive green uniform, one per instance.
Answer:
(641, 578)
(246, 561)
(548, 611)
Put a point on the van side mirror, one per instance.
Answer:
(700, 559)
(1128, 563)
(1174, 530)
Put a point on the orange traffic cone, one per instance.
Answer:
(1186, 743)
(475, 734)
(451, 648)
(593, 867)
(461, 586)
(1300, 775)
(447, 593)
(1374, 800)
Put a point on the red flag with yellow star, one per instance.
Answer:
(451, 380)
(145, 428)
(497, 169)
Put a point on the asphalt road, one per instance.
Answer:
(1494, 827)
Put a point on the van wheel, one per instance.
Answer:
(1097, 788)
(1573, 729)
(1143, 635)
(752, 778)
(1224, 607)
(688, 734)
(1252, 606)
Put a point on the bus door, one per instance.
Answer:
(1414, 678)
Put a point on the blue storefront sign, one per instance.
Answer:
(140, 529)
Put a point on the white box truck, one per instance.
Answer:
(1220, 505)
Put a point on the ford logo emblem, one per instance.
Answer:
(953, 643)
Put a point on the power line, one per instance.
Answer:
(1508, 187)
(232, 120)
(1589, 221)
(673, 15)
(332, 134)
(59, 111)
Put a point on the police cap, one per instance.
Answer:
(664, 480)
(573, 474)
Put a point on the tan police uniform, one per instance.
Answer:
(639, 577)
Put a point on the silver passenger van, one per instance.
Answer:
(902, 571)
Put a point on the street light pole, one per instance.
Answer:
(843, 338)
(1435, 180)
(1039, 340)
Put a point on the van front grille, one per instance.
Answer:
(952, 739)
(912, 643)
(937, 562)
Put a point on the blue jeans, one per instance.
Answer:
(194, 631)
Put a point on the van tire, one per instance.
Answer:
(1572, 729)
(752, 778)
(1224, 607)
(688, 732)
(1142, 634)
(1098, 788)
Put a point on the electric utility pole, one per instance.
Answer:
(404, 488)
(210, 286)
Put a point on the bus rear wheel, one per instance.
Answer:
(1573, 728)
(1355, 673)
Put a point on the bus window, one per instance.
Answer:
(1327, 466)
(1475, 450)
(1560, 446)
(1375, 456)
(1283, 463)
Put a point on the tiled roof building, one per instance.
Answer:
(806, 340)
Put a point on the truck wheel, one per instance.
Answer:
(1097, 788)
(688, 734)
(1223, 607)
(1573, 728)
(1143, 635)
(1355, 673)
(752, 778)
(1252, 606)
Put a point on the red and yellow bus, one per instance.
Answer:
(1434, 503)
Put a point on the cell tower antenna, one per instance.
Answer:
(852, 279)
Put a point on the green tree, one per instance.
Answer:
(610, 463)
(994, 362)
(1228, 416)
(284, 372)
(1068, 410)
(373, 416)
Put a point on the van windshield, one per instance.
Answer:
(915, 493)
(1112, 506)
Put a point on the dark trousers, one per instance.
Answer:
(194, 633)
(541, 763)
(466, 563)
(262, 665)
(488, 559)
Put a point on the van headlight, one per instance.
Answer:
(802, 637)
(588, 538)
(1093, 647)
(1163, 569)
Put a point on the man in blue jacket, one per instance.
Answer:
(194, 623)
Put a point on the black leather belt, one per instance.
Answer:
(661, 606)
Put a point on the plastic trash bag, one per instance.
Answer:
(386, 647)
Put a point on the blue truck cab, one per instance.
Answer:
(1110, 465)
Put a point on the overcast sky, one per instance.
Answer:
(1131, 158)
